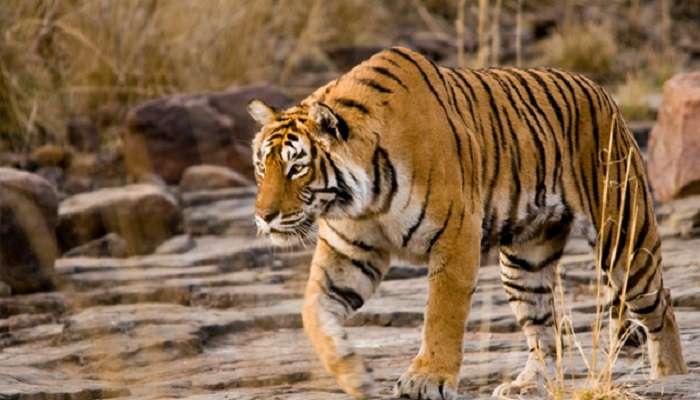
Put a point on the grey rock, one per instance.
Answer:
(222, 321)
(680, 217)
(176, 245)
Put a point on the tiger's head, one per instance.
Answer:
(298, 179)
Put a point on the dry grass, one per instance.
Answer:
(599, 384)
(585, 48)
(96, 58)
(99, 57)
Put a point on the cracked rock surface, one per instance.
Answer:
(220, 319)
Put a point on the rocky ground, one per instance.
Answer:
(216, 316)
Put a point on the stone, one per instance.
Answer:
(89, 171)
(165, 136)
(177, 245)
(5, 289)
(222, 321)
(680, 217)
(51, 155)
(28, 218)
(212, 177)
(674, 143)
(54, 175)
(144, 215)
(82, 134)
(109, 245)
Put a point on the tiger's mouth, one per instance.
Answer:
(301, 233)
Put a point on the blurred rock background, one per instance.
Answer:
(129, 263)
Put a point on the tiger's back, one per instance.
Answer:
(438, 165)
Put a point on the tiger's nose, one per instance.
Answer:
(267, 215)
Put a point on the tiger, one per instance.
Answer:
(402, 158)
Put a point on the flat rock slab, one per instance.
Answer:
(222, 320)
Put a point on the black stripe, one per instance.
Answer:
(389, 74)
(342, 190)
(377, 178)
(526, 108)
(367, 269)
(566, 132)
(646, 270)
(356, 243)
(535, 320)
(458, 141)
(390, 61)
(348, 297)
(536, 105)
(593, 204)
(498, 136)
(521, 263)
(462, 84)
(487, 230)
(374, 85)
(574, 136)
(475, 123)
(342, 127)
(352, 104)
(514, 298)
(554, 104)
(515, 172)
(625, 224)
(388, 169)
(650, 308)
(441, 230)
(324, 170)
(407, 236)
(527, 289)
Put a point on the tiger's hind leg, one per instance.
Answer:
(528, 276)
(630, 334)
(649, 303)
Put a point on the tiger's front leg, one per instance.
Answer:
(344, 275)
(453, 267)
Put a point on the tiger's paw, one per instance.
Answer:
(354, 378)
(415, 384)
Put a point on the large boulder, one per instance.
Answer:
(674, 145)
(212, 177)
(28, 209)
(167, 135)
(143, 215)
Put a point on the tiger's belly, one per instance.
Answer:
(503, 225)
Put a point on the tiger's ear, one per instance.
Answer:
(261, 112)
(331, 123)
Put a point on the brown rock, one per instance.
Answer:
(88, 171)
(28, 205)
(167, 135)
(674, 145)
(51, 155)
(83, 134)
(211, 177)
(144, 215)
